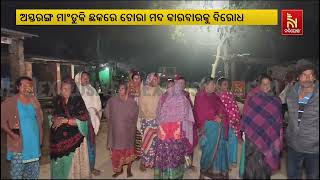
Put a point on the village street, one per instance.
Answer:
(103, 160)
(103, 163)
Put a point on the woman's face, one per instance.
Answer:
(136, 78)
(182, 82)
(265, 85)
(122, 90)
(155, 81)
(85, 79)
(170, 84)
(26, 87)
(66, 90)
(210, 87)
(224, 86)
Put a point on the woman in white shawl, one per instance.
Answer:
(93, 104)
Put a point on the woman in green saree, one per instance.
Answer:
(68, 144)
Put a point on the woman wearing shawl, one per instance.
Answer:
(262, 126)
(213, 123)
(148, 103)
(121, 131)
(93, 104)
(175, 134)
(134, 87)
(68, 132)
(189, 158)
(233, 113)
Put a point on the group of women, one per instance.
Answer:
(174, 129)
(220, 126)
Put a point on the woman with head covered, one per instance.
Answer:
(93, 104)
(175, 134)
(68, 132)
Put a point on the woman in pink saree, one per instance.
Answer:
(233, 114)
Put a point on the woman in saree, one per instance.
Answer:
(189, 158)
(69, 128)
(134, 87)
(148, 103)
(233, 114)
(262, 127)
(92, 101)
(174, 135)
(212, 122)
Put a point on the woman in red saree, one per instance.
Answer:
(212, 121)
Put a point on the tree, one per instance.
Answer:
(226, 35)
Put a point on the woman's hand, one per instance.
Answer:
(200, 132)
(58, 122)
(110, 152)
(15, 137)
(218, 118)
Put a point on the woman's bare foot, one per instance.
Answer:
(129, 173)
(193, 168)
(117, 174)
(96, 172)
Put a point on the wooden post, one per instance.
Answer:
(86, 68)
(16, 58)
(72, 70)
(28, 68)
(58, 77)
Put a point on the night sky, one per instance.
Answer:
(148, 47)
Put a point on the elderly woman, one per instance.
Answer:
(121, 131)
(262, 126)
(233, 113)
(175, 134)
(92, 101)
(69, 128)
(212, 121)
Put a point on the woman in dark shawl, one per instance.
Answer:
(262, 126)
(68, 132)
